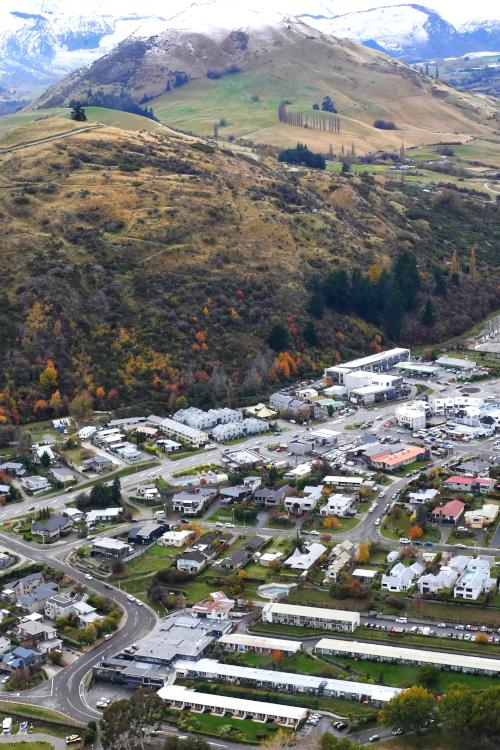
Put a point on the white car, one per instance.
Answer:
(314, 532)
(377, 522)
(404, 540)
(229, 525)
(88, 576)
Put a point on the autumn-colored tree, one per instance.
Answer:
(81, 405)
(48, 378)
(363, 552)
(415, 532)
(100, 393)
(56, 402)
(39, 405)
(355, 589)
(276, 657)
(330, 522)
(481, 638)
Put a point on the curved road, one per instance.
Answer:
(65, 693)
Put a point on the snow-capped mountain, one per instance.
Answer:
(42, 41)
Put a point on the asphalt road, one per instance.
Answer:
(64, 690)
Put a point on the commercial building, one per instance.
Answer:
(454, 363)
(379, 362)
(311, 617)
(284, 682)
(412, 416)
(454, 662)
(181, 697)
(242, 643)
(417, 369)
(390, 460)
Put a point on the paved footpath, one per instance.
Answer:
(17, 739)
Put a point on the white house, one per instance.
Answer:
(192, 561)
(39, 450)
(420, 497)
(337, 505)
(35, 484)
(401, 578)
(300, 505)
(481, 517)
(101, 515)
(306, 559)
(175, 538)
(433, 584)
(475, 580)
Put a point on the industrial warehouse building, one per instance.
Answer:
(311, 617)
(284, 682)
(181, 697)
(380, 362)
(379, 652)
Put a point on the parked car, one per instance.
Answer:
(374, 738)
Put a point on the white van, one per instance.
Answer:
(7, 725)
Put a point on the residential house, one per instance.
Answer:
(35, 601)
(306, 556)
(268, 559)
(86, 613)
(21, 660)
(103, 515)
(421, 497)
(298, 505)
(4, 491)
(234, 560)
(52, 528)
(253, 543)
(148, 492)
(401, 578)
(59, 605)
(217, 607)
(111, 548)
(35, 484)
(449, 513)
(482, 517)
(169, 446)
(14, 589)
(192, 561)
(337, 505)
(6, 560)
(41, 637)
(340, 558)
(39, 451)
(474, 581)
(147, 533)
(175, 538)
(13, 468)
(434, 583)
(472, 484)
(62, 475)
(235, 494)
(74, 514)
(261, 411)
(191, 503)
(98, 464)
(297, 407)
(271, 497)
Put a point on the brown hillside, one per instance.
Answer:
(148, 268)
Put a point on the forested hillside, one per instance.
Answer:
(142, 271)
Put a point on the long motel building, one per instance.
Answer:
(379, 652)
(311, 617)
(180, 697)
(242, 643)
(283, 682)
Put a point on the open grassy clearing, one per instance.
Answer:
(27, 745)
(399, 675)
(302, 663)
(35, 712)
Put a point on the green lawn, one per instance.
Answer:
(27, 745)
(455, 538)
(399, 675)
(185, 454)
(212, 725)
(301, 663)
(221, 514)
(399, 527)
(35, 712)
(405, 470)
(426, 642)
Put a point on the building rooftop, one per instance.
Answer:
(253, 641)
(313, 612)
(398, 653)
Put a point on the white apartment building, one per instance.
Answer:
(311, 617)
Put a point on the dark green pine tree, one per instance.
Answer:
(428, 315)
(78, 113)
(394, 315)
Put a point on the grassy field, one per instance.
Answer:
(301, 663)
(27, 745)
(212, 725)
(35, 712)
(398, 675)
(394, 529)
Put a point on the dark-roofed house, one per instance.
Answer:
(270, 497)
(35, 601)
(21, 659)
(98, 464)
(52, 527)
(234, 494)
(253, 543)
(13, 468)
(234, 560)
(147, 533)
(25, 585)
(192, 561)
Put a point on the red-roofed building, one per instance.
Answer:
(481, 485)
(393, 460)
(450, 512)
(216, 607)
